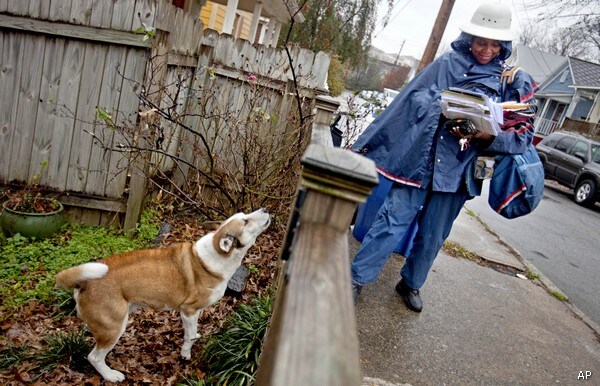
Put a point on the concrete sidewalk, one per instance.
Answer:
(479, 325)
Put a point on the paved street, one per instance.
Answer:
(560, 238)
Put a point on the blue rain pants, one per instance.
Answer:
(400, 207)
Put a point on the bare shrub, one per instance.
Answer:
(218, 141)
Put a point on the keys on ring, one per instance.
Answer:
(464, 144)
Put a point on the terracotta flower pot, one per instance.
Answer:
(38, 225)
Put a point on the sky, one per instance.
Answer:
(412, 20)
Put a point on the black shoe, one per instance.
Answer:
(356, 288)
(411, 297)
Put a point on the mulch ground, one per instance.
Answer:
(148, 352)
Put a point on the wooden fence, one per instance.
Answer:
(62, 61)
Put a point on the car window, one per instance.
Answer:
(565, 144)
(580, 148)
(551, 140)
(596, 153)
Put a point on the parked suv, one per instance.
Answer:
(573, 160)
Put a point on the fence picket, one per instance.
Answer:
(109, 92)
(81, 12)
(60, 10)
(47, 114)
(145, 12)
(27, 100)
(133, 74)
(10, 52)
(102, 11)
(18, 7)
(122, 17)
(319, 70)
(68, 93)
(82, 145)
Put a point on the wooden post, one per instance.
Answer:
(312, 338)
(325, 107)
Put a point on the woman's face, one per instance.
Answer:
(484, 50)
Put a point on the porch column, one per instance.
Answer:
(595, 110)
(229, 20)
(571, 108)
(255, 20)
(539, 119)
(271, 30)
(276, 32)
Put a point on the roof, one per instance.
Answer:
(585, 74)
(540, 65)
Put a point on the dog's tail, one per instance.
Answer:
(73, 276)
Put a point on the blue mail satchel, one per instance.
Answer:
(517, 185)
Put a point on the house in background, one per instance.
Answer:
(568, 91)
(256, 21)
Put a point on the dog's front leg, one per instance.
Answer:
(190, 326)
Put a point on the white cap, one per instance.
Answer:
(491, 21)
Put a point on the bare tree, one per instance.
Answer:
(565, 27)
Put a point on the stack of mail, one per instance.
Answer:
(485, 114)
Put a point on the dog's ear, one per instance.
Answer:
(226, 243)
(211, 225)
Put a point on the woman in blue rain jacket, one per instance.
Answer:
(432, 172)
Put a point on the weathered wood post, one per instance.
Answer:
(312, 339)
(325, 109)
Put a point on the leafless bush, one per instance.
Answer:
(219, 142)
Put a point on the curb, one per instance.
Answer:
(368, 381)
(547, 283)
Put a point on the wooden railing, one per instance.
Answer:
(312, 339)
(587, 128)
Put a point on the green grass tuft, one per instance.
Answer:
(12, 356)
(532, 275)
(559, 295)
(70, 348)
(233, 353)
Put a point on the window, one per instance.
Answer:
(596, 153)
(551, 140)
(584, 105)
(565, 144)
(580, 148)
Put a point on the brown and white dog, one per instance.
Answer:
(187, 277)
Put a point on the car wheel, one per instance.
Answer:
(585, 193)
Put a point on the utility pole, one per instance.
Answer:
(436, 34)
(399, 51)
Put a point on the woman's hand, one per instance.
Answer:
(458, 127)
(483, 136)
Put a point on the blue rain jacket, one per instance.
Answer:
(402, 140)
